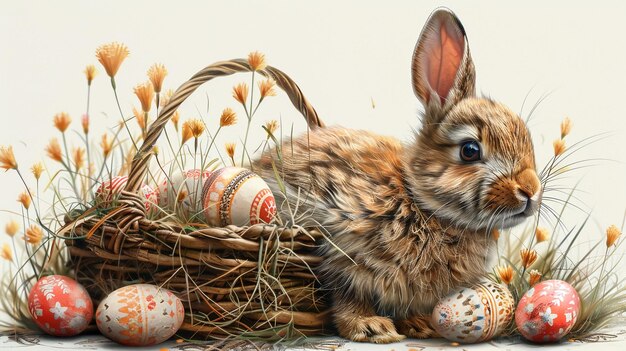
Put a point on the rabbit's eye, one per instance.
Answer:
(470, 151)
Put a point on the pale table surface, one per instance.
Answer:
(615, 340)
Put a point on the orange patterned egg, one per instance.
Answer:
(233, 195)
(60, 306)
(475, 314)
(140, 315)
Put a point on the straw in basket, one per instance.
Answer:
(256, 281)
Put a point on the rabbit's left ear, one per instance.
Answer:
(443, 72)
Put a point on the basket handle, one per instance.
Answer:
(141, 160)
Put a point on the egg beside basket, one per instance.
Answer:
(253, 281)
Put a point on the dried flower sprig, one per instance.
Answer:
(7, 158)
(6, 252)
(33, 235)
(175, 119)
(271, 127)
(145, 93)
(528, 257)
(186, 134)
(54, 150)
(156, 74)
(85, 123)
(228, 117)
(542, 234)
(165, 99)
(139, 116)
(230, 151)
(566, 127)
(240, 93)
(195, 126)
(12, 228)
(111, 57)
(78, 156)
(506, 274)
(24, 199)
(612, 234)
(90, 73)
(37, 169)
(559, 147)
(62, 121)
(266, 87)
(142, 122)
(256, 60)
(533, 277)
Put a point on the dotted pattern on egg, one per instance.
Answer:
(474, 314)
(228, 196)
(237, 196)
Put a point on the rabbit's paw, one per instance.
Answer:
(417, 327)
(374, 329)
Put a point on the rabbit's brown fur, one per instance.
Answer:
(409, 223)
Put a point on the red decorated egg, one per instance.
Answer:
(548, 311)
(183, 191)
(112, 187)
(234, 195)
(140, 315)
(60, 306)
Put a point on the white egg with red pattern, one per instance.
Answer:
(237, 196)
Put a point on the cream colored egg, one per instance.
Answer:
(183, 191)
(475, 314)
(140, 315)
(234, 195)
(111, 188)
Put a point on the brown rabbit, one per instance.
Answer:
(411, 222)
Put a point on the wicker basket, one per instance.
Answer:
(254, 281)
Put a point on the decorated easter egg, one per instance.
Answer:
(60, 306)
(548, 311)
(140, 315)
(183, 190)
(112, 187)
(233, 195)
(474, 314)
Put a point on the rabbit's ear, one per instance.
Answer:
(443, 72)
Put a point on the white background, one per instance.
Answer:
(342, 54)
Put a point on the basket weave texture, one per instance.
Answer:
(255, 281)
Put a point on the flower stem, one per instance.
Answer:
(249, 115)
(89, 179)
(117, 100)
(68, 166)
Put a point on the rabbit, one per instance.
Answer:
(410, 222)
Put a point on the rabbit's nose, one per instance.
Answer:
(528, 183)
(529, 202)
(529, 190)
